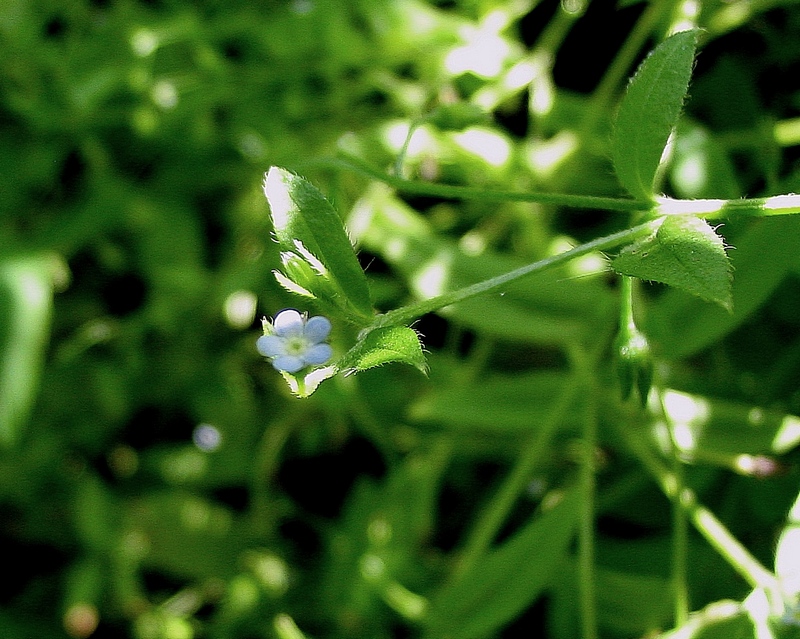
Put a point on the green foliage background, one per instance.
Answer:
(136, 257)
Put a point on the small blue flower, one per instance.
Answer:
(293, 341)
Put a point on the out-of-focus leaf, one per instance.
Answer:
(628, 603)
(26, 292)
(700, 167)
(718, 620)
(714, 427)
(186, 534)
(650, 110)
(507, 579)
(499, 403)
(385, 523)
(685, 253)
(457, 116)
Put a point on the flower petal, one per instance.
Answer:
(288, 363)
(288, 323)
(271, 345)
(317, 329)
(318, 354)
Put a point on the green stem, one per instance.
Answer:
(706, 523)
(413, 187)
(788, 204)
(680, 532)
(680, 548)
(407, 314)
(586, 531)
(626, 320)
(401, 156)
(537, 445)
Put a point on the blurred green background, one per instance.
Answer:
(157, 479)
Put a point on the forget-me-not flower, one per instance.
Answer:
(294, 341)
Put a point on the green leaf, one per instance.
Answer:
(724, 619)
(650, 110)
(508, 578)
(457, 116)
(766, 251)
(685, 253)
(495, 405)
(629, 603)
(309, 231)
(382, 346)
(700, 166)
(720, 431)
(26, 293)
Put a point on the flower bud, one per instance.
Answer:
(634, 362)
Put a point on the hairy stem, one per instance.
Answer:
(407, 314)
(414, 187)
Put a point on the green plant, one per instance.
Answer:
(529, 347)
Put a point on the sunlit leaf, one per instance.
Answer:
(649, 111)
(685, 253)
(384, 346)
(764, 254)
(315, 246)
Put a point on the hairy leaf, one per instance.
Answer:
(650, 110)
(310, 232)
(685, 253)
(383, 346)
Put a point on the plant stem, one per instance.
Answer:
(401, 156)
(489, 523)
(406, 314)
(680, 548)
(626, 320)
(706, 523)
(787, 204)
(413, 187)
(586, 531)
(680, 534)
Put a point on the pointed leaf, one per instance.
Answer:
(766, 252)
(308, 229)
(385, 345)
(685, 253)
(650, 110)
(507, 579)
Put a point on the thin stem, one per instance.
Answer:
(680, 549)
(626, 320)
(407, 314)
(413, 187)
(489, 523)
(788, 204)
(680, 534)
(706, 523)
(586, 531)
(268, 454)
(401, 156)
